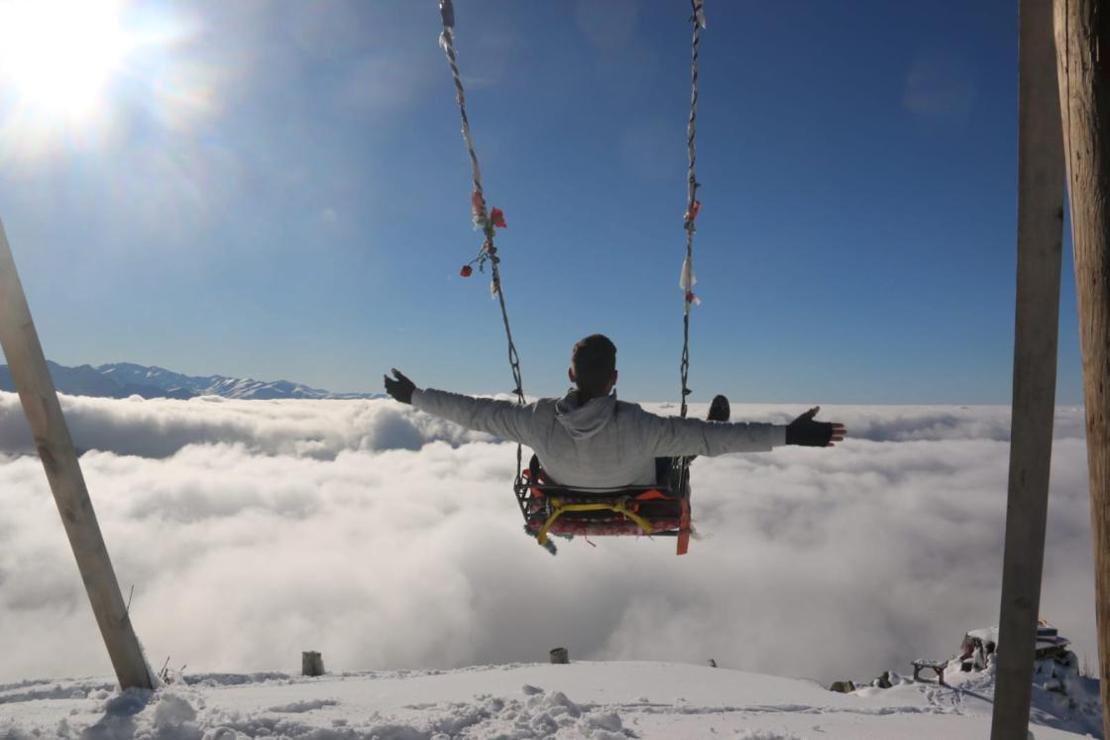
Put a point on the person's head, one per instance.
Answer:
(593, 365)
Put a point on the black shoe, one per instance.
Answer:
(719, 410)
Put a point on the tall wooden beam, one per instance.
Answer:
(1040, 235)
(1083, 55)
(21, 346)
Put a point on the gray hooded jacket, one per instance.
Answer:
(603, 443)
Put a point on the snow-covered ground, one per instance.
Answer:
(604, 701)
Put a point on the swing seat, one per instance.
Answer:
(550, 509)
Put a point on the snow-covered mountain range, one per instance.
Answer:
(124, 379)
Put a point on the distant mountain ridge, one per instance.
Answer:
(125, 379)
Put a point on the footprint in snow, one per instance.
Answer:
(300, 707)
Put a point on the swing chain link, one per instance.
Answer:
(447, 43)
(698, 20)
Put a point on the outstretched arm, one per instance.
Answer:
(674, 436)
(504, 419)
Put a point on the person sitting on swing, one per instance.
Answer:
(589, 439)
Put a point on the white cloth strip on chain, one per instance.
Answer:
(687, 278)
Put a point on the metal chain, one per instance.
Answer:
(482, 219)
(692, 185)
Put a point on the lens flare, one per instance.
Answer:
(57, 56)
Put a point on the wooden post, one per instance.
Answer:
(21, 346)
(1083, 65)
(312, 663)
(1040, 233)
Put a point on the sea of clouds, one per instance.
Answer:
(385, 538)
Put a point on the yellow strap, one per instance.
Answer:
(619, 508)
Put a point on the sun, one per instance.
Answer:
(57, 56)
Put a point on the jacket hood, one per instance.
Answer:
(586, 420)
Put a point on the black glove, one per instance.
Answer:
(805, 431)
(400, 388)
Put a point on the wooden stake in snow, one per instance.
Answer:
(21, 346)
(312, 663)
(1040, 234)
(1083, 66)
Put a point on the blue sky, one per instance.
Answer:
(280, 190)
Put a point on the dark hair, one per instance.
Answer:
(594, 359)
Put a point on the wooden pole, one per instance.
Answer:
(21, 346)
(1040, 234)
(1083, 65)
(312, 663)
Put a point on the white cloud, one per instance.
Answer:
(384, 538)
(160, 428)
